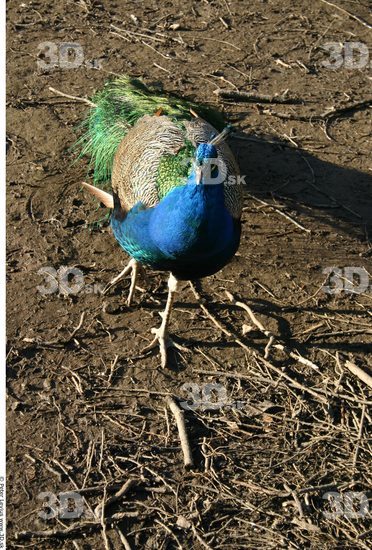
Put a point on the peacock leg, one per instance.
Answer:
(132, 267)
(162, 338)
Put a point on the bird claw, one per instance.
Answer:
(165, 342)
(131, 267)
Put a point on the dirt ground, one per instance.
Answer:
(87, 411)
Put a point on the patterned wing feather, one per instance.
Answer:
(138, 159)
(156, 155)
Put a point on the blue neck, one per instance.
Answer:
(192, 219)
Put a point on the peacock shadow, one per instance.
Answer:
(337, 199)
(334, 196)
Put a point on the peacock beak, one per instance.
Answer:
(198, 175)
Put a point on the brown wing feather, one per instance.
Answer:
(137, 159)
(138, 156)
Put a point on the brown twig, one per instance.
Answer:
(180, 421)
(359, 373)
(355, 17)
(327, 116)
(256, 98)
(72, 97)
(78, 327)
(360, 433)
(123, 539)
(278, 211)
(214, 320)
(272, 339)
(72, 530)
(124, 489)
(296, 499)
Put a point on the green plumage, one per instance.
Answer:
(174, 169)
(119, 106)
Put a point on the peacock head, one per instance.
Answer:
(205, 162)
(209, 168)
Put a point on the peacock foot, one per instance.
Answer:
(132, 267)
(165, 342)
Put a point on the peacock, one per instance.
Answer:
(176, 197)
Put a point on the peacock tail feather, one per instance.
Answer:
(119, 106)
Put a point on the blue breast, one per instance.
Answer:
(189, 233)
